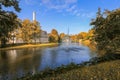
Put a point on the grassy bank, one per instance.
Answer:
(28, 46)
(103, 68)
(103, 71)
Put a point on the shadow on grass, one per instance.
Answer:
(72, 66)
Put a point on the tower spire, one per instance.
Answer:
(34, 16)
(68, 31)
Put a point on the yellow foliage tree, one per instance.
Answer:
(29, 31)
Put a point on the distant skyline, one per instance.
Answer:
(61, 14)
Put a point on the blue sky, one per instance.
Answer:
(61, 14)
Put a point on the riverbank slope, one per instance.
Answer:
(29, 46)
(103, 71)
(102, 68)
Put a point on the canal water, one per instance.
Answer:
(19, 62)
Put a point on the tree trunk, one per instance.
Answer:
(3, 42)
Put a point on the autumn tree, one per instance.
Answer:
(53, 36)
(90, 34)
(8, 19)
(26, 31)
(107, 31)
(74, 38)
(36, 30)
(62, 35)
(82, 35)
(29, 31)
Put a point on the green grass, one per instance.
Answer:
(28, 46)
(103, 68)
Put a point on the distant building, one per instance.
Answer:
(44, 37)
(67, 39)
(13, 39)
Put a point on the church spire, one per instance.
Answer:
(68, 31)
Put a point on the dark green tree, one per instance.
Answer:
(8, 19)
(107, 31)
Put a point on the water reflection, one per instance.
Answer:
(16, 63)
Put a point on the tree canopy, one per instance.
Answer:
(29, 31)
(107, 30)
(8, 19)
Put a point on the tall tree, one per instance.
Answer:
(26, 31)
(8, 19)
(107, 31)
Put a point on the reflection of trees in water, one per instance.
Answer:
(30, 63)
(12, 55)
(93, 50)
(36, 60)
(4, 67)
(3, 55)
(27, 60)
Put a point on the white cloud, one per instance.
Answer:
(70, 9)
(75, 11)
(88, 15)
(45, 1)
(83, 13)
(78, 14)
(69, 6)
(58, 4)
(30, 2)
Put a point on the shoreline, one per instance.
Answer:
(107, 63)
(29, 46)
